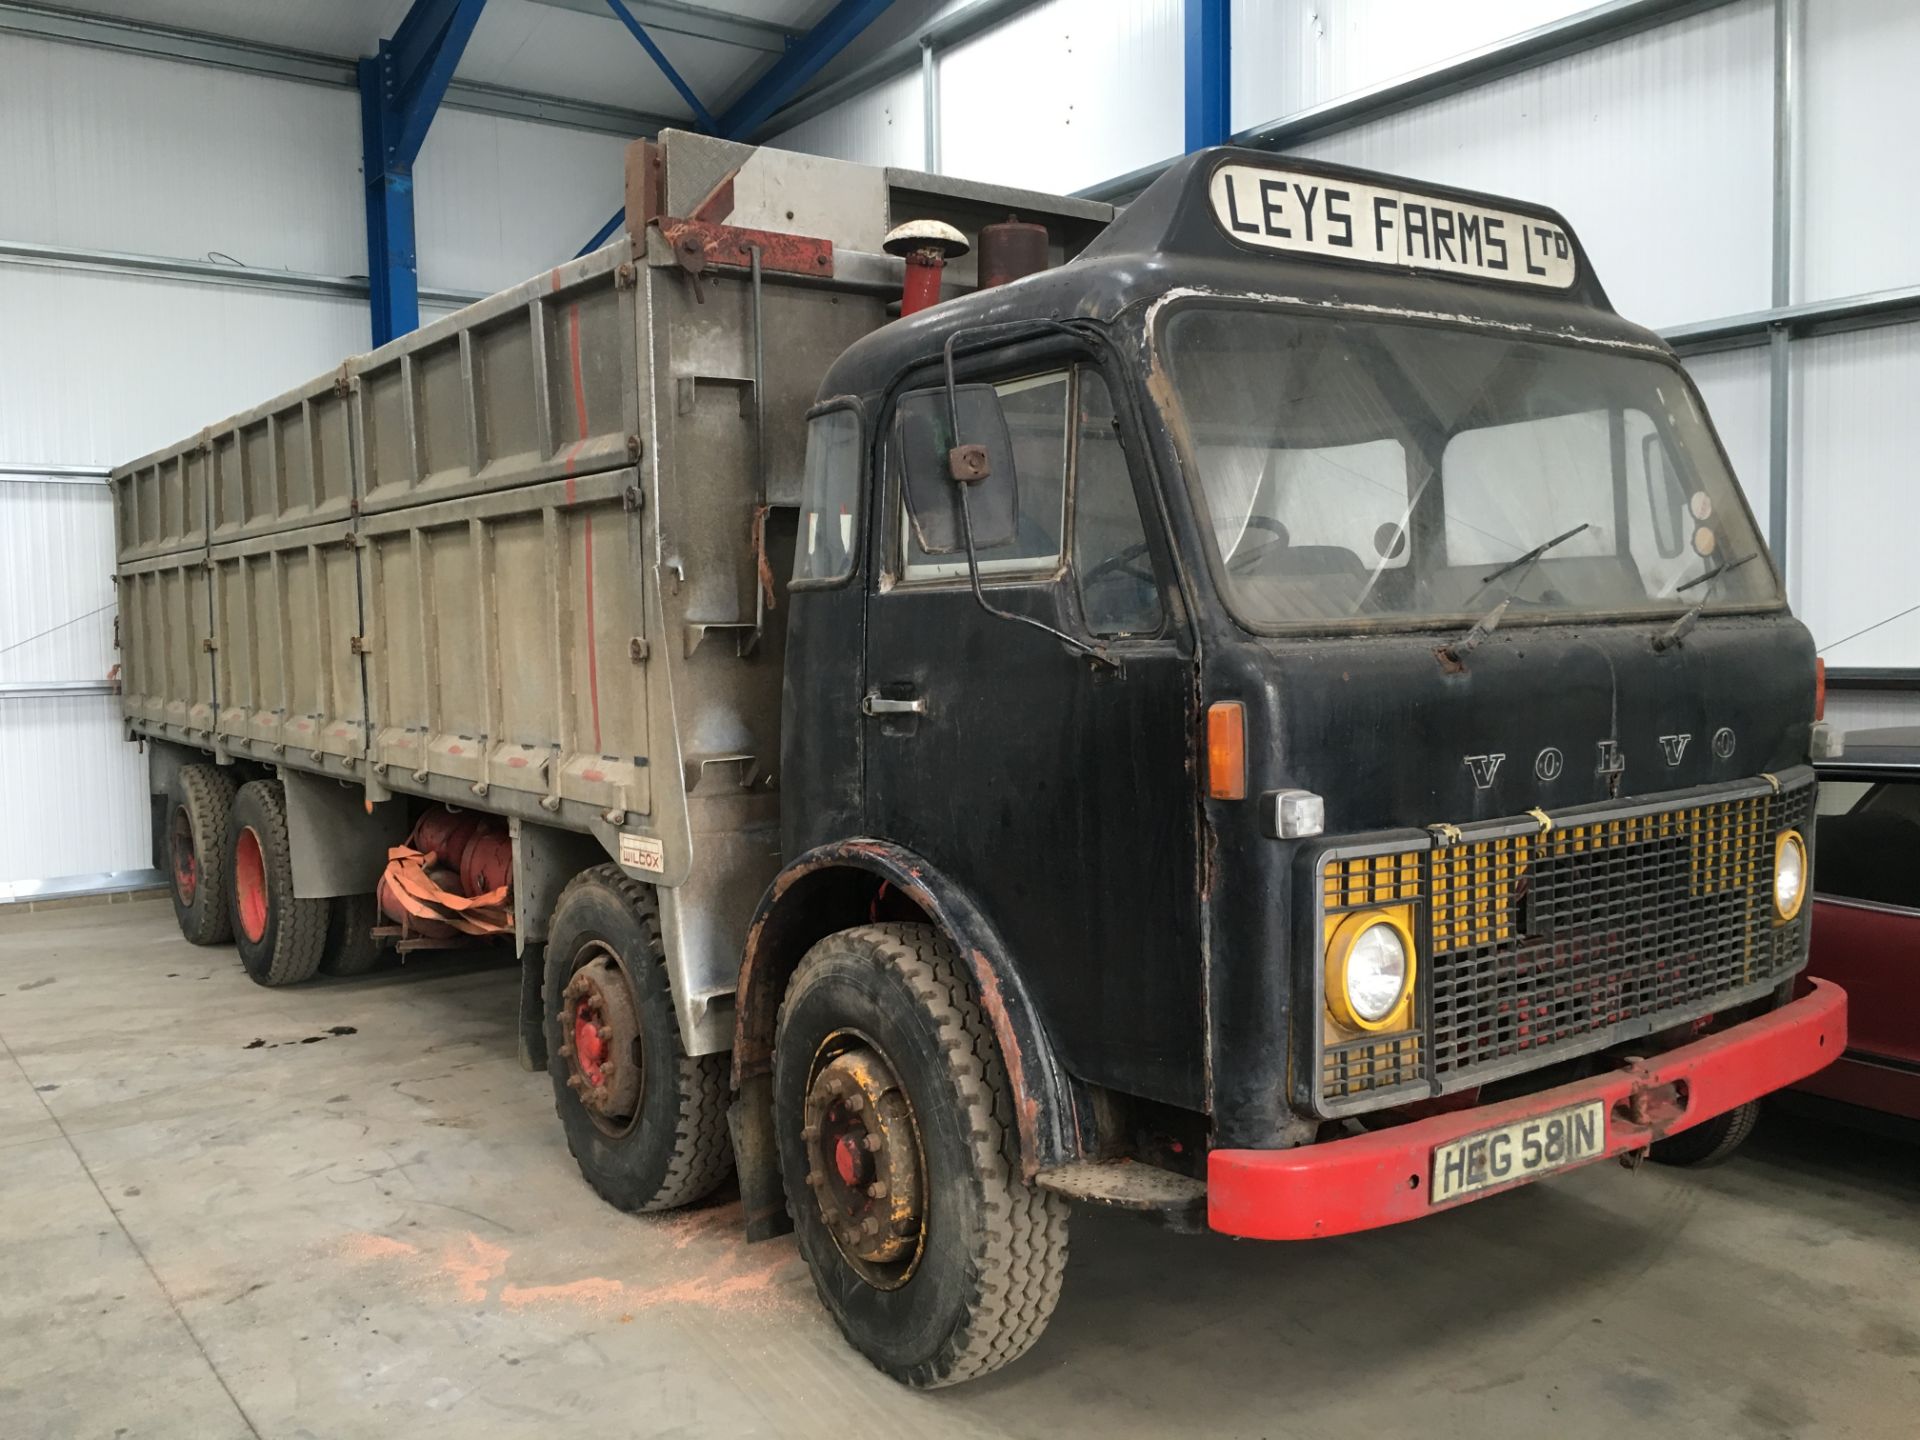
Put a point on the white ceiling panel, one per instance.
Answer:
(571, 48)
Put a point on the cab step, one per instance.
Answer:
(1176, 1201)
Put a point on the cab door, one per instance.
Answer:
(1056, 789)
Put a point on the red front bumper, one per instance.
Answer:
(1380, 1179)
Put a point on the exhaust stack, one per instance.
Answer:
(926, 246)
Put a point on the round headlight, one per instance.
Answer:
(1789, 874)
(1370, 967)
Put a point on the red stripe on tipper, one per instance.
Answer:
(579, 380)
(593, 649)
(586, 534)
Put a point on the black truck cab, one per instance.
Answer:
(1352, 734)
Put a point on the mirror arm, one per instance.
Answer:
(1092, 652)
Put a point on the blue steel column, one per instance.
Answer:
(393, 277)
(400, 89)
(1209, 78)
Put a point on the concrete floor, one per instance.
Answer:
(220, 1218)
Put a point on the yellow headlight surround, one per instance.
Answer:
(1785, 840)
(1340, 945)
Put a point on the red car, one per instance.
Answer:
(1866, 917)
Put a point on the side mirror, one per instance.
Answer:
(1666, 497)
(936, 463)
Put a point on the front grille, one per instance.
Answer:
(1536, 945)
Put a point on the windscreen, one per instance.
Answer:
(1364, 471)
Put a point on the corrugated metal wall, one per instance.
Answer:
(1668, 180)
(1062, 96)
(1856, 425)
(70, 786)
(882, 126)
(1734, 385)
(1659, 149)
(1290, 55)
(107, 151)
(1856, 429)
(1857, 201)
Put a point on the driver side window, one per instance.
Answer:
(1118, 594)
(1065, 438)
(1035, 407)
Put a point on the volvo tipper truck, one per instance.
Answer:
(1265, 708)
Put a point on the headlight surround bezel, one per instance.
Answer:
(1339, 949)
(1794, 841)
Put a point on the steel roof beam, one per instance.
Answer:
(804, 60)
(949, 28)
(696, 22)
(280, 63)
(625, 17)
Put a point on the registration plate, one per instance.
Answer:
(1520, 1151)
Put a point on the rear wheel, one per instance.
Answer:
(199, 802)
(646, 1122)
(351, 948)
(280, 938)
(1711, 1141)
(899, 1150)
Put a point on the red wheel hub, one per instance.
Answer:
(850, 1159)
(863, 1160)
(250, 885)
(600, 1023)
(589, 1045)
(186, 860)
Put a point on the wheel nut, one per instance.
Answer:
(870, 1226)
(874, 1143)
(814, 1177)
(878, 1190)
(856, 1102)
(809, 1132)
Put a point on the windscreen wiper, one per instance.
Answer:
(1534, 554)
(1680, 628)
(1490, 621)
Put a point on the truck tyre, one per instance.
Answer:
(1711, 1141)
(280, 938)
(197, 858)
(351, 948)
(899, 1150)
(646, 1122)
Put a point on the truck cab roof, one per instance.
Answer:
(1241, 222)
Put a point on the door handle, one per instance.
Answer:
(877, 704)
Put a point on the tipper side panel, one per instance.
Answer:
(285, 611)
(501, 553)
(166, 674)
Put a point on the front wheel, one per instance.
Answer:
(899, 1151)
(646, 1122)
(1711, 1141)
